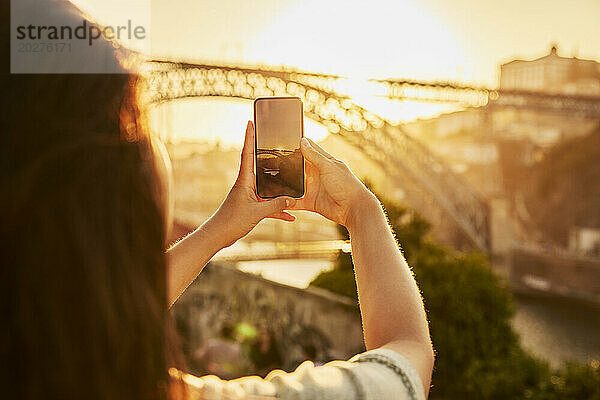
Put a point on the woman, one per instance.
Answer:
(86, 283)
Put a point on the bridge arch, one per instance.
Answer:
(396, 152)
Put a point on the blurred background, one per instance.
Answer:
(478, 125)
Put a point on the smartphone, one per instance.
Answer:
(279, 127)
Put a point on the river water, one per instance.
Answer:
(558, 329)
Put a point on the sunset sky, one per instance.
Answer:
(461, 40)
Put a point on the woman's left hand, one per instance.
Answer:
(242, 210)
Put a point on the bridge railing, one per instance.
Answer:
(585, 106)
(248, 251)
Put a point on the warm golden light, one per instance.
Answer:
(431, 40)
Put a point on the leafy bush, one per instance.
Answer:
(339, 280)
(573, 381)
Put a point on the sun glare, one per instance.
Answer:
(425, 40)
(360, 39)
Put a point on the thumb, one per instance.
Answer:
(312, 155)
(275, 205)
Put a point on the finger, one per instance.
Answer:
(313, 156)
(274, 206)
(312, 174)
(284, 216)
(247, 159)
(300, 206)
(312, 186)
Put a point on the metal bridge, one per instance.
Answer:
(468, 96)
(400, 155)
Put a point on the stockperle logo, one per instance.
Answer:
(54, 36)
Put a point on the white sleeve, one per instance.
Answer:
(385, 374)
(374, 375)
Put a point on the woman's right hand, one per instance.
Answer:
(332, 190)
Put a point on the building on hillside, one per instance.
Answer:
(472, 140)
(552, 73)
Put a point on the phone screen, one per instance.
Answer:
(279, 162)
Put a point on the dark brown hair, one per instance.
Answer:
(83, 270)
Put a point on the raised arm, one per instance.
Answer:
(239, 213)
(391, 306)
(390, 303)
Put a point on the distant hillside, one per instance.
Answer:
(565, 187)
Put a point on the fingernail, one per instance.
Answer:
(289, 202)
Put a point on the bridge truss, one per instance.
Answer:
(574, 105)
(399, 154)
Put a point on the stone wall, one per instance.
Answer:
(327, 324)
